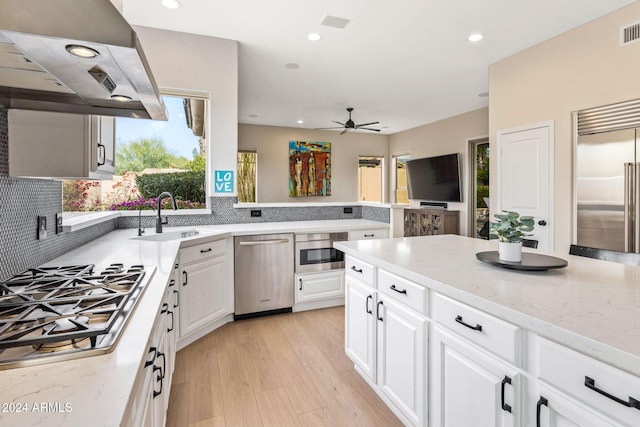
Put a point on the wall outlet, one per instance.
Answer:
(256, 212)
(347, 210)
(59, 223)
(42, 227)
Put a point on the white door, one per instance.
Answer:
(525, 177)
(402, 361)
(472, 388)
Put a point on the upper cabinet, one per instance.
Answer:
(61, 145)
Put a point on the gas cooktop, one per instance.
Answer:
(58, 313)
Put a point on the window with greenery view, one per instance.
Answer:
(247, 161)
(151, 157)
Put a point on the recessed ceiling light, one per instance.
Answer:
(121, 98)
(300, 122)
(292, 66)
(475, 37)
(314, 37)
(171, 4)
(483, 94)
(81, 51)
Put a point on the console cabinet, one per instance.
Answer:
(430, 222)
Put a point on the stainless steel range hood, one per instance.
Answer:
(37, 72)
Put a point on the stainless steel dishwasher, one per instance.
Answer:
(263, 274)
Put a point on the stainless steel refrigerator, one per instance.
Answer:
(607, 177)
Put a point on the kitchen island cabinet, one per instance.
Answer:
(518, 348)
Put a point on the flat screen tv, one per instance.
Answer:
(435, 178)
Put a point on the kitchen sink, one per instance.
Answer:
(163, 237)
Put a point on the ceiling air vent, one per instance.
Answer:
(629, 34)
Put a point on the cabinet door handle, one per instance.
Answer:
(177, 294)
(403, 291)
(590, 383)
(185, 278)
(475, 328)
(378, 311)
(153, 350)
(357, 270)
(541, 402)
(505, 407)
(173, 321)
(102, 149)
(204, 251)
(163, 370)
(300, 279)
(159, 379)
(369, 297)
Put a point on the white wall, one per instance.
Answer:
(201, 63)
(445, 137)
(272, 145)
(582, 68)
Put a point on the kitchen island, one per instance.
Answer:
(98, 390)
(590, 308)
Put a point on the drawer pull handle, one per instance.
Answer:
(590, 383)
(204, 251)
(541, 402)
(369, 235)
(357, 270)
(378, 311)
(505, 407)
(393, 288)
(475, 328)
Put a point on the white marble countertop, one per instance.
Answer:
(95, 390)
(592, 306)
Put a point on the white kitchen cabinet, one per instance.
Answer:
(554, 409)
(206, 289)
(402, 357)
(173, 314)
(387, 341)
(360, 326)
(471, 387)
(46, 144)
(370, 233)
(317, 290)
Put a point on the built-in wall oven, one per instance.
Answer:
(315, 252)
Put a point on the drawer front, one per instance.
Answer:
(495, 335)
(202, 251)
(602, 387)
(402, 290)
(361, 270)
(376, 233)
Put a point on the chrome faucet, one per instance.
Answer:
(159, 221)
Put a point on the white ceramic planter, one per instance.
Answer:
(511, 252)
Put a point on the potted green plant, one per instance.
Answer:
(510, 228)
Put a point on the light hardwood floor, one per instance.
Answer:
(283, 370)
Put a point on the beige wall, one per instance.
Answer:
(582, 68)
(272, 145)
(446, 136)
(201, 63)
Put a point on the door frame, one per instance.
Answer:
(468, 193)
(495, 205)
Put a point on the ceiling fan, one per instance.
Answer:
(350, 125)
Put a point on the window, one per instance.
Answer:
(247, 161)
(401, 192)
(370, 179)
(151, 156)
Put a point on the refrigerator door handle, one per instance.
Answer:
(636, 209)
(628, 205)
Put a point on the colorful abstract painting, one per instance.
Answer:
(309, 169)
